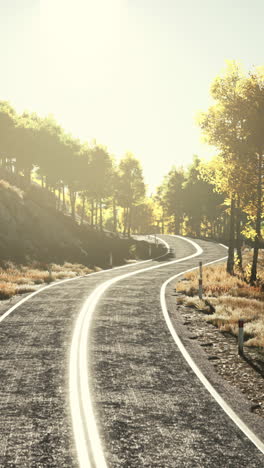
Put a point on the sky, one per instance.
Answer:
(132, 74)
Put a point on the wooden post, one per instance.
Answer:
(201, 281)
(149, 250)
(50, 272)
(240, 337)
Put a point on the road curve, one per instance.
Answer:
(142, 403)
(89, 449)
(151, 409)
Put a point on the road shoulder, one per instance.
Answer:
(233, 397)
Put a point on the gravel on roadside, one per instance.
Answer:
(244, 373)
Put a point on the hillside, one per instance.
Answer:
(32, 229)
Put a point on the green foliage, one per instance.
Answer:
(234, 125)
(188, 201)
(77, 171)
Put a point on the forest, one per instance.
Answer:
(220, 199)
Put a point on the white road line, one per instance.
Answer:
(56, 283)
(87, 440)
(223, 245)
(76, 368)
(228, 410)
(88, 444)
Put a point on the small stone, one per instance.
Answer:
(206, 344)
(213, 358)
(255, 406)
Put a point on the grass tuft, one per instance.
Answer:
(21, 279)
(232, 297)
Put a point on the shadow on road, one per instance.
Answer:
(256, 364)
(165, 258)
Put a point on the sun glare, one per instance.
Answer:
(79, 38)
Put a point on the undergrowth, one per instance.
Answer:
(231, 297)
(20, 279)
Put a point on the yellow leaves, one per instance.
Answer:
(249, 232)
(260, 72)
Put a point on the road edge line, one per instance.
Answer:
(209, 387)
(81, 336)
(57, 283)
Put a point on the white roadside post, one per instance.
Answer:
(240, 337)
(149, 250)
(111, 259)
(201, 281)
(50, 272)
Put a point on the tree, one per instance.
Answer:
(202, 204)
(101, 170)
(143, 220)
(173, 197)
(8, 119)
(253, 127)
(159, 199)
(223, 127)
(131, 190)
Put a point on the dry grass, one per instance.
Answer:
(21, 279)
(232, 298)
(5, 185)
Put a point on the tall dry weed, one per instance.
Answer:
(232, 297)
(20, 279)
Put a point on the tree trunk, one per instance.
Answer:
(63, 198)
(101, 214)
(83, 208)
(212, 229)
(176, 224)
(73, 201)
(253, 275)
(225, 229)
(92, 213)
(96, 213)
(238, 234)
(129, 220)
(125, 220)
(230, 260)
(114, 215)
(198, 228)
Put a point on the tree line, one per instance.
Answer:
(189, 205)
(223, 198)
(234, 125)
(86, 175)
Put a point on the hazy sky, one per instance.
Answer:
(130, 73)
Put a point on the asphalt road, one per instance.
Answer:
(150, 408)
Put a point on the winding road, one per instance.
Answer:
(93, 374)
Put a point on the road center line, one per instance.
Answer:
(90, 452)
(57, 283)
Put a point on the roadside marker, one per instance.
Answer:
(240, 337)
(225, 406)
(201, 281)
